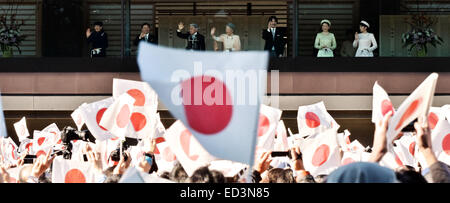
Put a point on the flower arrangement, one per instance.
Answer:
(10, 33)
(421, 33)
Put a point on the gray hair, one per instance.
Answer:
(194, 25)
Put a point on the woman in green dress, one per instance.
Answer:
(325, 41)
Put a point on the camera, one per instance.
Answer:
(127, 143)
(68, 134)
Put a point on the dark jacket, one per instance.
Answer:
(197, 44)
(99, 40)
(278, 42)
(151, 39)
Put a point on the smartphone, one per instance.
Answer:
(278, 154)
(29, 159)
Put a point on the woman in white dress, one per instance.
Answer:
(365, 41)
(231, 42)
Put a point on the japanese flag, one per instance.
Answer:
(446, 111)
(321, 153)
(227, 167)
(160, 130)
(145, 106)
(78, 118)
(416, 105)
(391, 160)
(444, 157)
(117, 117)
(281, 143)
(53, 132)
(92, 115)
(435, 115)
(440, 138)
(3, 132)
(208, 92)
(143, 94)
(350, 157)
(166, 159)
(71, 171)
(267, 127)
(42, 142)
(403, 153)
(186, 148)
(21, 129)
(356, 146)
(313, 119)
(381, 104)
(9, 150)
(26, 144)
(343, 140)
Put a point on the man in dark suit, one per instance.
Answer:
(196, 41)
(275, 38)
(99, 40)
(145, 35)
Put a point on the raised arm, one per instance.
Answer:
(355, 42)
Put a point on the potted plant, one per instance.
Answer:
(421, 34)
(10, 34)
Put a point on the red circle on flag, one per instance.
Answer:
(446, 144)
(312, 120)
(320, 155)
(386, 106)
(40, 152)
(168, 155)
(138, 96)
(12, 151)
(138, 120)
(263, 125)
(40, 140)
(207, 111)
(74, 176)
(99, 116)
(347, 140)
(185, 141)
(157, 141)
(123, 117)
(432, 120)
(22, 131)
(347, 160)
(398, 161)
(412, 147)
(28, 146)
(408, 113)
(12, 180)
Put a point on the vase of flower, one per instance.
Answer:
(10, 34)
(421, 34)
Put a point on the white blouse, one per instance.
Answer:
(232, 42)
(366, 45)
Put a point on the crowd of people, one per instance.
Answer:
(363, 45)
(292, 170)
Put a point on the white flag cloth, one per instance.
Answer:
(54, 133)
(356, 146)
(351, 156)
(417, 104)
(227, 167)
(42, 142)
(381, 104)
(92, 114)
(444, 157)
(313, 119)
(281, 143)
(117, 117)
(199, 88)
(267, 126)
(3, 132)
(13, 174)
(440, 138)
(391, 160)
(343, 140)
(71, 171)
(143, 122)
(321, 153)
(165, 159)
(186, 148)
(446, 111)
(78, 118)
(22, 129)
